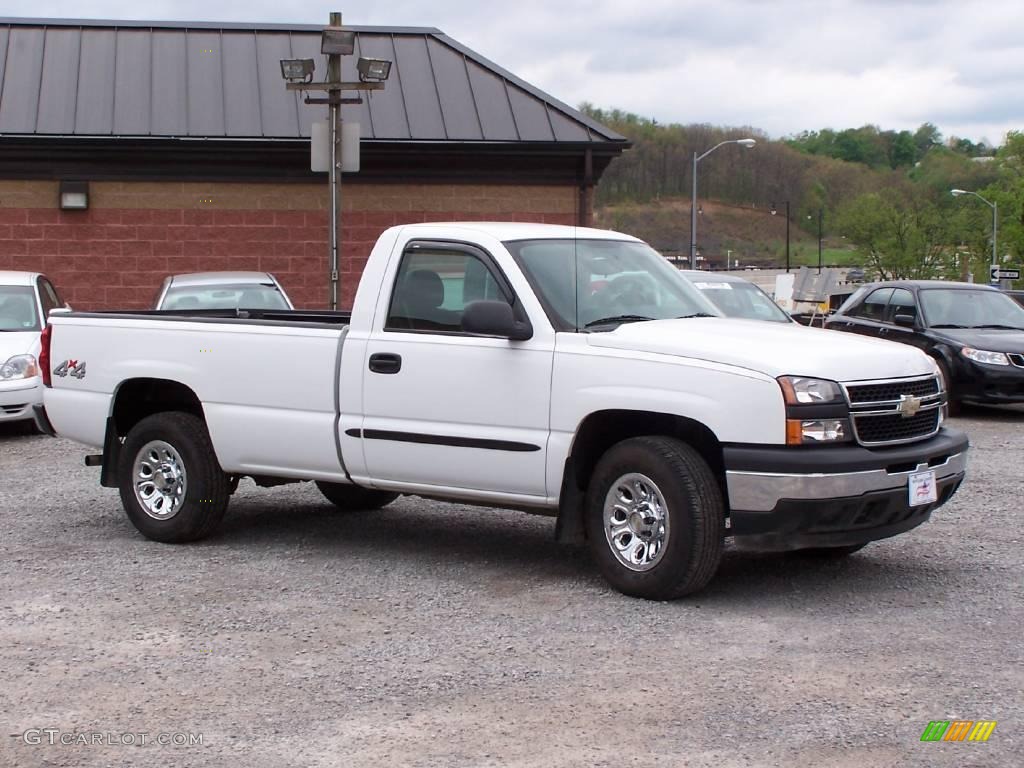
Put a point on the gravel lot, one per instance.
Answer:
(432, 634)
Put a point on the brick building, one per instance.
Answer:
(195, 157)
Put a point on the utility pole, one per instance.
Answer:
(334, 97)
(335, 43)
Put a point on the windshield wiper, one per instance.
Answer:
(1001, 327)
(695, 314)
(617, 319)
(947, 325)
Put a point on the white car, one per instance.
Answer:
(222, 290)
(567, 371)
(736, 297)
(26, 299)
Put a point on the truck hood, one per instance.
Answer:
(18, 343)
(770, 348)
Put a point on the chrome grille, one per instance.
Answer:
(895, 410)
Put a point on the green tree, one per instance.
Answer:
(902, 234)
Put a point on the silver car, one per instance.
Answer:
(222, 290)
(736, 297)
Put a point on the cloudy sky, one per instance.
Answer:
(782, 66)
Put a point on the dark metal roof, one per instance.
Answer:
(134, 79)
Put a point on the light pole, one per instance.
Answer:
(335, 42)
(995, 217)
(748, 143)
(820, 213)
(774, 211)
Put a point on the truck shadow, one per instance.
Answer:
(17, 430)
(519, 552)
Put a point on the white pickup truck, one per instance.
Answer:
(570, 372)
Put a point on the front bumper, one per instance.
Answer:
(18, 397)
(795, 498)
(980, 383)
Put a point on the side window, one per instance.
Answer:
(433, 287)
(902, 303)
(48, 297)
(873, 307)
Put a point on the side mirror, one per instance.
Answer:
(494, 318)
(905, 321)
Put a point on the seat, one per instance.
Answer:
(19, 312)
(251, 299)
(419, 303)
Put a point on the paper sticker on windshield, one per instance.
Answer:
(714, 286)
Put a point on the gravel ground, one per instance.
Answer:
(432, 634)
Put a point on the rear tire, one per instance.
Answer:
(171, 484)
(655, 518)
(350, 498)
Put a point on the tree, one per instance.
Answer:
(903, 235)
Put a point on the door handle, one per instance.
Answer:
(385, 362)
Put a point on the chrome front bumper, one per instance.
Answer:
(762, 491)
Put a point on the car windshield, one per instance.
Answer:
(599, 284)
(741, 299)
(244, 296)
(967, 308)
(18, 308)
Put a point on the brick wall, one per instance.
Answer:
(116, 253)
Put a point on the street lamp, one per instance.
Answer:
(820, 214)
(335, 42)
(774, 211)
(748, 143)
(995, 216)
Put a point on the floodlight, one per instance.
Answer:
(338, 41)
(74, 195)
(373, 70)
(295, 70)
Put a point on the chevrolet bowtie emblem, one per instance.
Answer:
(909, 406)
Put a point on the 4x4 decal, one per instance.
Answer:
(74, 368)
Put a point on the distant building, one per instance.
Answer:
(193, 156)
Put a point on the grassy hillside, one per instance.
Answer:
(753, 235)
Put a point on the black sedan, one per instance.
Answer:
(974, 332)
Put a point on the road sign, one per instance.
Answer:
(998, 273)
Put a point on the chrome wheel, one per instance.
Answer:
(159, 480)
(636, 521)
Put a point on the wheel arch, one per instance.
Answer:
(134, 400)
(600, 430)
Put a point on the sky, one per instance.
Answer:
(783, 66)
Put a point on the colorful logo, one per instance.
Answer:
(958, 730)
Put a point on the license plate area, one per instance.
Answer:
(921, 488)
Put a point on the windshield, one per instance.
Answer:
(602, 283)
(248, 296)
(18, 308)
(741, 299)
(966, 308)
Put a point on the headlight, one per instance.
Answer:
(800, 391)
(809, 431)
(982, 356)
(19, 367)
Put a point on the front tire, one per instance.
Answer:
(350, 498)
(171, 484)
(655, 518)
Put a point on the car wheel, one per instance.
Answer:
(171, 484)
(349, 498)
(655, 518)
